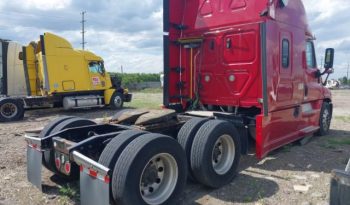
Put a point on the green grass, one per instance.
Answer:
(150, 90)
(343, 118)
(339, 141)
(144, 100)
(334, 143)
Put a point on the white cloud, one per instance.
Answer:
(43, 5)
(129, 32)
(325, 8)
(329, 21)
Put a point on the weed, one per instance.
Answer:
(68, 191)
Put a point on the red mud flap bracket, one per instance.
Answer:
(34, 159)
(340, 186)
(94, 181)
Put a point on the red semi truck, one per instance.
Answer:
(238, 73)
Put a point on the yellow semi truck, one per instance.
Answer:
(57, 74)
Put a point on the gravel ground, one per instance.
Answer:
(294, 174)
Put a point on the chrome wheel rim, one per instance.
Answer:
(158, 179)
(118, 101)
(9, 110)
(223, 154)
(326, 120)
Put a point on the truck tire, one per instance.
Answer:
(117, 101)
(11, 110)
(325, 119)
(46, 132)
(49, 158)
(151, 170)
(115, 147)
(49, 127)
(185, 138)
(215, 154)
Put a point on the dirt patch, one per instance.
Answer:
(293, 174)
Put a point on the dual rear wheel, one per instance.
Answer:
(146, 168)
(213, 151)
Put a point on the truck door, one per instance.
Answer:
(97, 75)
(285, 82)
(312, 88)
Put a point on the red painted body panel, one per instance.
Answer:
(227, 67)
(216, 22)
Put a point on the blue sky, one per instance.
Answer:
(129, 33)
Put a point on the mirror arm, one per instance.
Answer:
(325, 82)
(318, 74)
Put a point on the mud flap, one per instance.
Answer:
(94, 181)
(34, 159)
(340, 186)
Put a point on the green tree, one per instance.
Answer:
(129, 78)
(344, 80)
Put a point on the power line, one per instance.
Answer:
(83, 29)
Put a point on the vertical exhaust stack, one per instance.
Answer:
(46, 85)
(3, 67)
(166, 52)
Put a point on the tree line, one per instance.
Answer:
(130, 78)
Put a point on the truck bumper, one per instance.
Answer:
(127, 97)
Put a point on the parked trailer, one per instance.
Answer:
(238, 73)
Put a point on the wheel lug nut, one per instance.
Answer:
(150, 189)
(160, 169)
(158, 180)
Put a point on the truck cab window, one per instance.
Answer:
(96, 67)
(285, 53)
(310, 55)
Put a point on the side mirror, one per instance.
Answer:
(329, 58)
(20, 56)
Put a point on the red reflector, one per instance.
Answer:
(67, 167)
(58, 163)
(34, 146)
(92, 173)
(107, 179)
(81, 168)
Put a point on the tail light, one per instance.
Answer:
(67, 167)
(58, 163)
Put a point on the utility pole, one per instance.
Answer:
(83, 29)
(122, 69)
(347, 74)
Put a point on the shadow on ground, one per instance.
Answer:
(256, 179)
